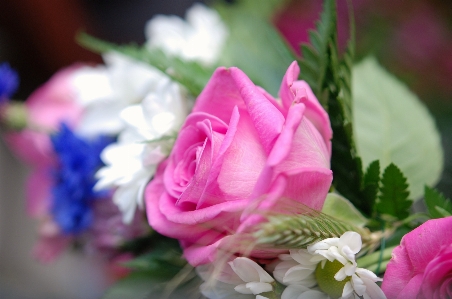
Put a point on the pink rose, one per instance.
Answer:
(239, 144)
(421, 267)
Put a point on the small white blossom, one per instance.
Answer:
(200, 37)
(342, 249)
(296, 270)
(241, 278)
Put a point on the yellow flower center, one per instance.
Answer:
(326, 281)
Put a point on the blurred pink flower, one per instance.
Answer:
(239, 154)
(57, 101)
(421, 267)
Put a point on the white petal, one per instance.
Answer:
(302, 256)
(249, 271)
(297, 273)
(282, 268)
(372, 289)
(243, 289)
(348, 290)
(340, 275)
(364, 273)
(259, 287)
(352, 240)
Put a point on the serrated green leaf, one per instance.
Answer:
(259, 50)
(438, 206)
(190, 74)
(330, 79)
(393, 199)
(342, 209)
(393, 126)
(313, 66)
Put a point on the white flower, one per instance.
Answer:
(132, 160)
(296, 268)
(299, 269)
(199, 38)
(363, 284)
(240, 278)
(342, 249)
(104, 91)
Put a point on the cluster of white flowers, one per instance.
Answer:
(305, 273)
(143, 105)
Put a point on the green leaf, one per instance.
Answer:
(393, 126)
(316, 59)
(393, 199)
(331, 78)
(372, 181)
(438, 206)
(343, 210)
(143, 285)
(259, 50)
(136, 285)
(190, 74)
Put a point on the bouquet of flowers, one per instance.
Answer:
(215, 161)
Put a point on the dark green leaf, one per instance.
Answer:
(316, 60)
(190, 74)
(438, 206)
(372, 181)
(142, 285)
(394, 193)
(330, 79)
(258, 50)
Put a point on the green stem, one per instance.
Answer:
(374, 258)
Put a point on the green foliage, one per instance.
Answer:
(143, 285)
(160, 273)
(391, 125)
(164, 260)
(254, 44)
(342, 209)
(393, 199)
(316, 57)
(330, 78)
(438, 206)
(302, 230)
(372, 181)
(191, 75)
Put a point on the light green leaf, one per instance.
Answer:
(342, 209)
(393, 126)
(259, 50)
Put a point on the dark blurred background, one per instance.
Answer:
(411, 38)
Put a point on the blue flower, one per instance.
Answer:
(9, 81)
(73, 193)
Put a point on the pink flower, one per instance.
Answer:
(237, 145)
(46, 108)
(421, 267)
